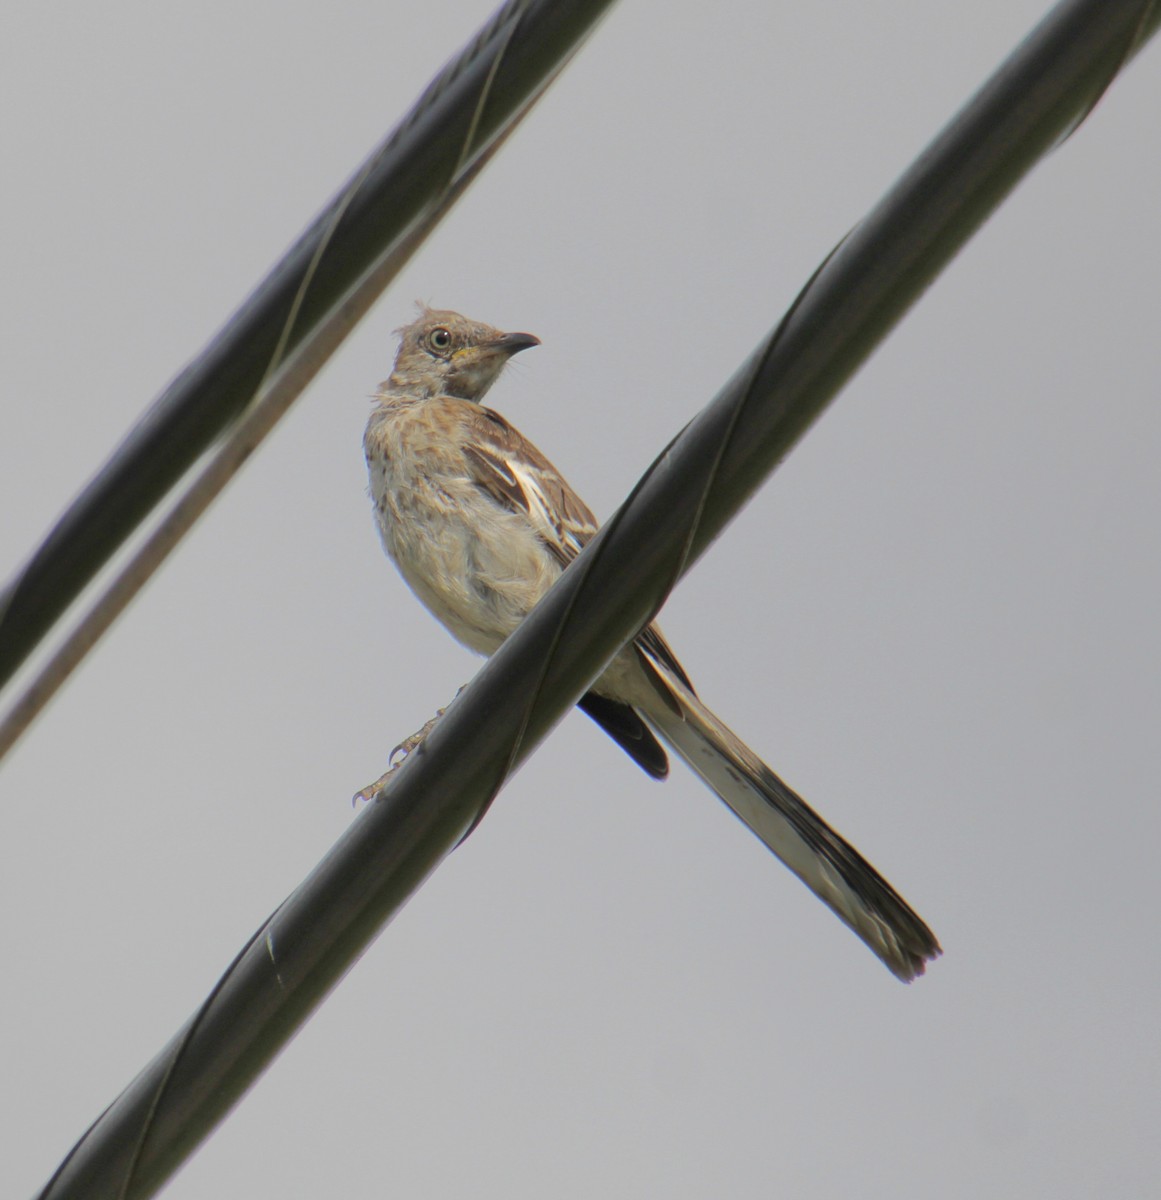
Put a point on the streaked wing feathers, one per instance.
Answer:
(513, 472)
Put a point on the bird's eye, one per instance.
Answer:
(439, 339)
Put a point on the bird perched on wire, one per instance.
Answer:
(481, 524)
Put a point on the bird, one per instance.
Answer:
(480, 524)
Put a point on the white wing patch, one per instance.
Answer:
(548, 521)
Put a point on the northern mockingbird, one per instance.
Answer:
(481, 524)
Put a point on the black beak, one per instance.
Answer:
(515, 342)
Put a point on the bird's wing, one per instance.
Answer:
(515, 474)
(518, 477)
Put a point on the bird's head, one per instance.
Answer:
(443, 353)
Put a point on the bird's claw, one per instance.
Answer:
(404, 748)
(367, 794)
(413, 742)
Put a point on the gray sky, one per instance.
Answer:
(939, 621)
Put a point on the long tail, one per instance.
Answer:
(830, 866)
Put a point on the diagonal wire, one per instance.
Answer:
(396, 198)
(698, 484)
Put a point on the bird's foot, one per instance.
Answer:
(413, 742)
(404, 748)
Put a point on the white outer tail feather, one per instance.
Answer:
(823, 860)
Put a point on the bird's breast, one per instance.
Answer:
(478, 567)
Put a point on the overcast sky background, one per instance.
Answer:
(939, 621)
